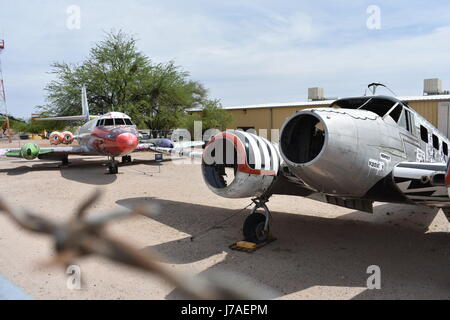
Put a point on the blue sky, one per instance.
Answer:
(245, 52)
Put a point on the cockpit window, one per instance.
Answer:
(128, 122)
(403, 121)
(436, 143)
(396, 113)
(119, 122)
(403, 117)
(109, 122)
(424, 134)
(379, 106)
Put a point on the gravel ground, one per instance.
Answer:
(322, 251)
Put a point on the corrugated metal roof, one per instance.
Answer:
(426, 98)
(324, 103)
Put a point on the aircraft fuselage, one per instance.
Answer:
(109, 136)
(356, 153)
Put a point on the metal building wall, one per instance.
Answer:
(257, 118)
(427, 109)
(274, 118)
(263, 118)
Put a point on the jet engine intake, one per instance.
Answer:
(56, 138)
(238, 164)
(68, 137)
(303, 139)
(30, 151)
(321, 148)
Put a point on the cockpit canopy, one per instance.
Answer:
(114, 119)
(114, 122)
(380, 105)
(388, 108)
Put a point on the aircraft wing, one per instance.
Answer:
(187, 153)
(423, 182)
(188, 144)
(182, 152)
(144, 147)
(32, 151)
(68, 118)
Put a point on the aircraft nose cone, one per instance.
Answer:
(127, 142)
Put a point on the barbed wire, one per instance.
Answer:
(84, 236)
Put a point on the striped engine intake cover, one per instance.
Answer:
(253, 161)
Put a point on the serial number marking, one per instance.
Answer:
(233, 310)
(377, 165)
(229, 310)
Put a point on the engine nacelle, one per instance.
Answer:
(56, 138)
(238, 164)
(30, 151)
(329, 150)
(67, 137)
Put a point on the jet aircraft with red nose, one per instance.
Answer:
(112, 135)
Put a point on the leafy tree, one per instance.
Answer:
(37, 127)
(170, 93)
(213, 116)
(16, 125)
(120, 78)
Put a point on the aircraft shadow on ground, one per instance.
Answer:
(93, 172)
(315, 251)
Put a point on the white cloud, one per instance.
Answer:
(244, 52)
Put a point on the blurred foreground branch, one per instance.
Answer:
(82, 236)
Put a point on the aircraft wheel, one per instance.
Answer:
(65, 161)
(113, 168)
(126, 159)
(254, 228)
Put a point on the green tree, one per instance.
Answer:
(170, 93)
(120, 78)
(30, 126)
(37, 127)
(212, 115)
(17, 125)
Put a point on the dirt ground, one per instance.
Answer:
(322, 251)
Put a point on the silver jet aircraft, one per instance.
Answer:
(357, 151)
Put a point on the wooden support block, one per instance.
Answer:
(246, 245)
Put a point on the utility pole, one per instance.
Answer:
(3, 108)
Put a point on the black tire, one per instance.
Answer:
(114, 168)
(254, 228)
(65, 161)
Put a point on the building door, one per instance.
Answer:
(444, 118)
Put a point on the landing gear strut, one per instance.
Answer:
(113, 167)
(126, 159)
(65, 161)
(257, 225)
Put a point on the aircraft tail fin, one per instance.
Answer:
(85, 108)
(85, 104)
